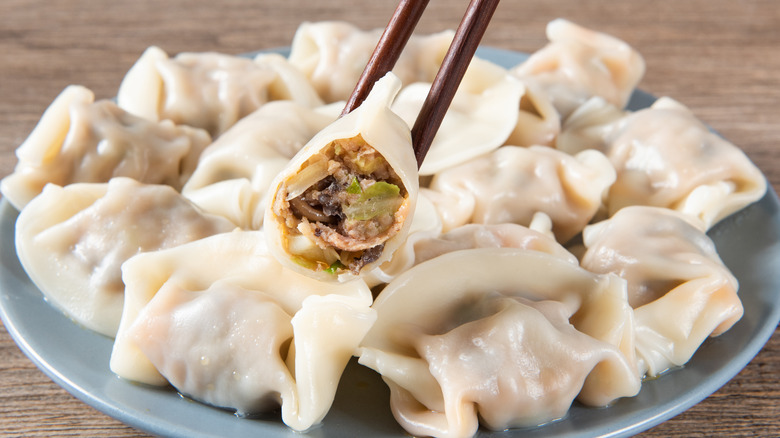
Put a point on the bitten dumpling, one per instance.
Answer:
(235, 172)
(72, 241)
(209, 90)
(515, 184)
(579, 63)
(223, 322)
(492, 345)
(346, 201)
(679, 288)
(80, 140)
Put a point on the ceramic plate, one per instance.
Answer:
(77, 359)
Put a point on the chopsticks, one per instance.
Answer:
(467, 37)
(388, 50)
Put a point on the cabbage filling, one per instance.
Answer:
(347, 201)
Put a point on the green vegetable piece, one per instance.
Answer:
(354, 188)
(378, 199)
(335, 267)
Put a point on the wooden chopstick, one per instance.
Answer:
(388, 50)
(470, 31)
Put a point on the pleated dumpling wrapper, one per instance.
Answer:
(516, 185)
(209, 90)
(665, 156)
(333, 54)
(580, 63)
(346, 200)
(79, 139)
(226, 324)
(679, 288)
(510, 341)
(73, 240)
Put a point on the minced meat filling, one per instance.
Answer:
(355, 208)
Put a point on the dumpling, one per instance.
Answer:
(226, 324)
(333, 55)
(346, 200)
(492, 345)
(235, 172)
(679, 288)
(211, 91)
(514, 184)
(666, 157)
(579, 63)
(482, 115)
(80, 140)
(72, 241)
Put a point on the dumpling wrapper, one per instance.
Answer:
(493, 344)
(580, 63)
(72, 241)
(514, 184)
(226, 324)
(365, 157)
(80, 140)
(482, 115)
(235, 172)
(665, 156)
(679, 288)
(333, 55)
(209, 90)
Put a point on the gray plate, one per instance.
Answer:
(77, 359)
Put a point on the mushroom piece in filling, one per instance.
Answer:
(347, 201)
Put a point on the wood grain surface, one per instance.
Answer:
(719, 57)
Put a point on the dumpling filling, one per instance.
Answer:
(341, 207)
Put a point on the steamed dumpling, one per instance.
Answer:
(579, 63)
(72, 241)
(333, 55)
(80, 140)
(666, 157)
(679, 288)
(493, 345)
(235, 172)
(211, 91)
(514, 184)
(223, 322)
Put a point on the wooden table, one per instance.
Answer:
(719, 57)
